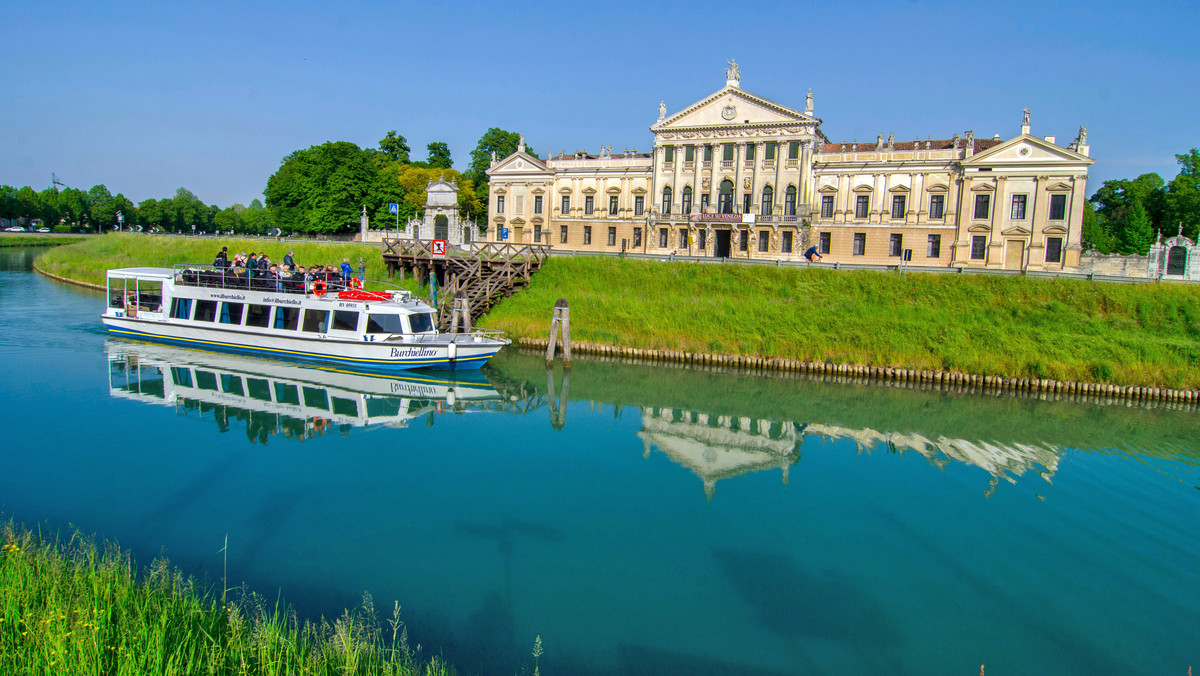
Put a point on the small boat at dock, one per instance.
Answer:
(326, 321)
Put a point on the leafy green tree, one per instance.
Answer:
(494, 140)
(76, 207)
(395, 147)
(48, 206)
(8, 201)
(1137, 235)
(439, 156)
(27, 204)
(321, 189)
(1183, 197)
(104, 210)
(1096, 236)
(150, 213)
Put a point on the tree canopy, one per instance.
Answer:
(1127, 215)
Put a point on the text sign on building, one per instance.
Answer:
(721, 218)
(439, 247)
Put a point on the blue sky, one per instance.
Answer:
(148, 97)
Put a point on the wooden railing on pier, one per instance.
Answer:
(483, 272)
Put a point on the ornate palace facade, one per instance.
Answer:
(736, 175)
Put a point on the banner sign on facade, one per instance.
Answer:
(721, 218)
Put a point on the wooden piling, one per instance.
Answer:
(460, 312)
(560, 322)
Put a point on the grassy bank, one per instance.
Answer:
(39, 239)
(87, 261)
(1143, 334)
(79, 608)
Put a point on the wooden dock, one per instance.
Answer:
(484, 272)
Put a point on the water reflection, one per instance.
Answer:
(277, 399)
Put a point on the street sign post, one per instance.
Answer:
(394, 208)
(439, 247)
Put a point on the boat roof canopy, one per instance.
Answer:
(165, 274)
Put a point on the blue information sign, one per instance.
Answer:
(503, 233)
(393, 208)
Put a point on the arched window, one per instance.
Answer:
(767, 197)
(666, 208)
(725, 197)
(687, 199)
(789, 201)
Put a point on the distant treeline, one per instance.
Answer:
(1126, 216)
(317, 190)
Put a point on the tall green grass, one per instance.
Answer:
(1140, 334)
(79, 608)
(89, 260)
(38, 239)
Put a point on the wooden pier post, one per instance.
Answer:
(561, 320)
(461, 311)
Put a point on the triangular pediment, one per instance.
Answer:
(1026, 149)
(518, 163)
(732, 107)
(1016, 231)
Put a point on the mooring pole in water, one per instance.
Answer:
(558, 403)
(562, 319)
(461, 311)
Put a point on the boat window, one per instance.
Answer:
(286, 394)
(258, 315)
(181, 376)
(116, 298)
(287, 318)
(316, 398)
(421, 322)
(345, 320)
(206, 380)
(383, 406)
(181, 308)
(258, 388)
(348, 407)
(384, 324)
(231, 313)
(206, 310)
(231, 384)
(315, 321)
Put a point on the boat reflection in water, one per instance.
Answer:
(281, 398)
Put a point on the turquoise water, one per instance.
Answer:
(652, 520)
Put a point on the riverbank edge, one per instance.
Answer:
(867, 374)
(1129, 393)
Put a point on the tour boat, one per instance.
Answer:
(327, 321)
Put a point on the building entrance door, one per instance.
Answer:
(721, 243)
(1177, 261)
(1015, 255)
(518, 234)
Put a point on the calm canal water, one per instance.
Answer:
(640, 519)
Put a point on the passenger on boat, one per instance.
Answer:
(288, 260)
(264, 263)
(222, 259)
(347, 271)
(251, 265)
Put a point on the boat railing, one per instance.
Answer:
(209, 276)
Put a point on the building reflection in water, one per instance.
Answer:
(282, 399)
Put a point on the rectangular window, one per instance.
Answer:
(669, 154)
(704, 202)
(769, 153)
(181, 308)
(612, 236)
(746, 203)
(1054, 249)
(793, 150)
(537, 204)
(826, 206)
(768, 199)
(744, 240)
(421, 322)
(231, 313)
(662, 238)
(728, 149)
(683, 238)
(862, 204)
(316, 321)
(937, 206)
(345, 320)
(1058, 207)
(206, 380)
(384, 324)
(896, 245)
(287, 318)
(231, 384)
(587, 234)
(750, 151)
(287, 394)
(637, 238)
(786, 245)
(639, 205)
(983, 205)
(689, 153)
(979, 247)
(708, 153)
(860, 244)
(206, 310)
(824, 242)
(566, 204)
(258, 315)
(562, 234)
(898, 206)
(789, 202)
(687, 201)
(1018, 207)
(589, 205)
(701, 240)
(613, 201)
(764, 240)
(935, 247)
(537, 233)
(499, 204)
